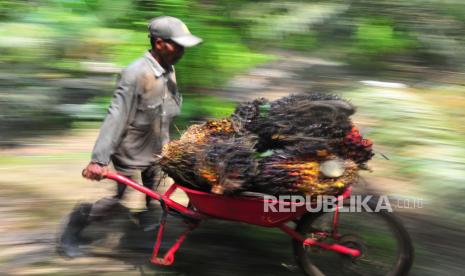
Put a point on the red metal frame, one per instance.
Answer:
(237, 208)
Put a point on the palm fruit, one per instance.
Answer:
(179, 157)
(247, 113)
(272, 178)
(227, 165)
(312, 118)
(355, 147)
(283, 173)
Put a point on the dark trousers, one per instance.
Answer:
(150, 177)
(85, 214)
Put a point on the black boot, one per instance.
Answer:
(69, 240)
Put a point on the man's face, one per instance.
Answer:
(169, 51)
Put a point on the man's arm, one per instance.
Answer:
(113, 126)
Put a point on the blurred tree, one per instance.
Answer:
(364, 32)
(57, 43)
(78, 45)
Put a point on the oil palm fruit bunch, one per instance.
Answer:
(308, 117)
(272, 177)
(179, 157)
(226, 166)
(246, 114)
(300, 144)
(284, 173)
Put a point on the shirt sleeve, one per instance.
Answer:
(116, 120)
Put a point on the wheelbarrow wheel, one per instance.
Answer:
(380, 236)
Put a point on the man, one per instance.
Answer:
(144, 104)
(138, 120)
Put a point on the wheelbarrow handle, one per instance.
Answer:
(103, 173)
(155, 195)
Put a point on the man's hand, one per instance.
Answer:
(94, 171)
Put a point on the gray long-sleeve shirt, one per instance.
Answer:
(138, 120)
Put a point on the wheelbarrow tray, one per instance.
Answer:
(248, 209)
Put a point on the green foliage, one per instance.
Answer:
(363, 32)
(211, 106)
(274, 21)
(374, 40)
(10, 10)
(377, 37)
(69, 36)
(115, 31)
(199, 107)
(61, 38)
(301, 42)
(22, 42)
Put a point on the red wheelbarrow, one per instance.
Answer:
(312, 240)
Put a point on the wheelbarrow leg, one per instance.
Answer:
(168, 259)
